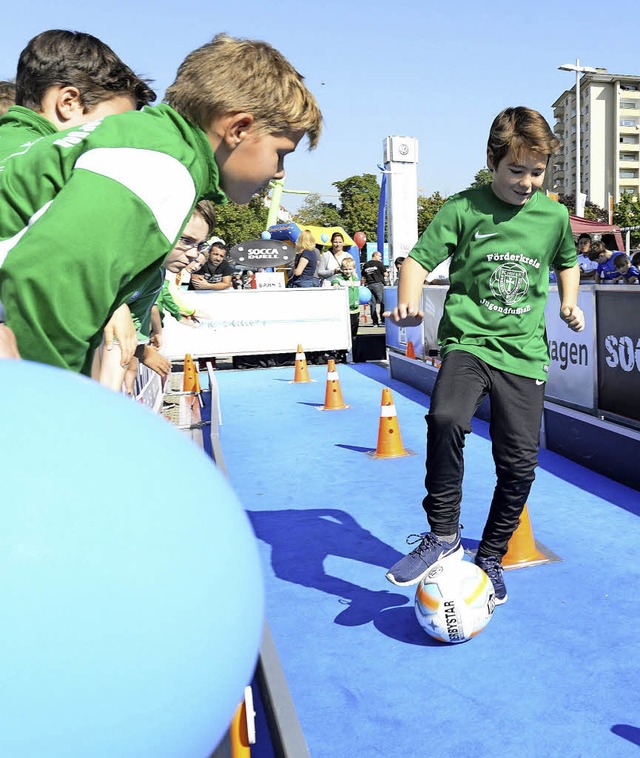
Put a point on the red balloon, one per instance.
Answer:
(360, 238)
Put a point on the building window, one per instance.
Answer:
(628, 156)
(629, 139)
(628, 122)
(628, 105)
(628, 173)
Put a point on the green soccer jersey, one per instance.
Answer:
(86, 218)
(499, 275)
(20, 128)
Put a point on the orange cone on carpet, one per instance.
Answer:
(389, 438)
(333, 400)
(301, 374)
(190, 381)
(522, 549)
(410, 352)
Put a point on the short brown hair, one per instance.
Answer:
(74, 59)
(597, 249)
(205, 209)
(230, 75)
(518, 129)
(7, 96)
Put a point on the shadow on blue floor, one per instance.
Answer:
(302, 539)
(627, 732)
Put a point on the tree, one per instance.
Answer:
(315, 212)
(427, 209)
(482, 177)
(359, 197)
(238, 223)
(592, 212)
(627, 213)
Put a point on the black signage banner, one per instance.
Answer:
(618, 326)
(256, 254)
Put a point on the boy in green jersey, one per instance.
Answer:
(108, 200)
(501, 238)
(65, 79)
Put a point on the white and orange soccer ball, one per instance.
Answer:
(454, 601)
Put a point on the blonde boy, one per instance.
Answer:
(119, 191)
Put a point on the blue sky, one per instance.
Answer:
(436, 71)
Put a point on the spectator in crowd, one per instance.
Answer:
(305, 264)
(7, 96)
(606, 271)
(398, 264)
(331, 261)
(348, 279)
(146, 315)
(66, 79)
(627, 274)
(635, 260)
(587, 266)
(373, 273)
(123, 188)
(217, 272)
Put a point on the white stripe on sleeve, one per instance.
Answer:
(158, 179)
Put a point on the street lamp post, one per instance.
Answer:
(579, 70)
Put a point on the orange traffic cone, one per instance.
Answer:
(301, 372)
(333, 400)
(410, 352)
(190, 381)
(389, 439)
(522, 550)
(242, 729)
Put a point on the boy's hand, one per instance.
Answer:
(156, 361)
(404, 315)
(121, 328)
(573, 317)
(8, 344)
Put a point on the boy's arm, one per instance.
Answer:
(121, 328)
(568, 288)
(200, 283)
(407, 312)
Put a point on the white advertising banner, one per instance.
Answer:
(258, 322)
(573, 367)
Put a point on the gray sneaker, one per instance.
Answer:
(431, 549)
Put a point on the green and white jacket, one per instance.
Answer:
(20, 128)
(86, 218)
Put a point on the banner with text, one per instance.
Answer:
(261, 321)
(619, 351)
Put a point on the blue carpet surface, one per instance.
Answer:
(556, 670)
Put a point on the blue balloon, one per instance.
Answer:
(325, 237)
(266, 235)
(365, 295)
(132, 597)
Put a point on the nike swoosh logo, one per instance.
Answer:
(538, 382)
(479, 236)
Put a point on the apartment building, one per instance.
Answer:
(609, 138)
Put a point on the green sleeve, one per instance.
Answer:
(168, 303)
(440, 239)
(86, 255)
(566, 256)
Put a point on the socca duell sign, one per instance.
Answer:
(256, 254)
